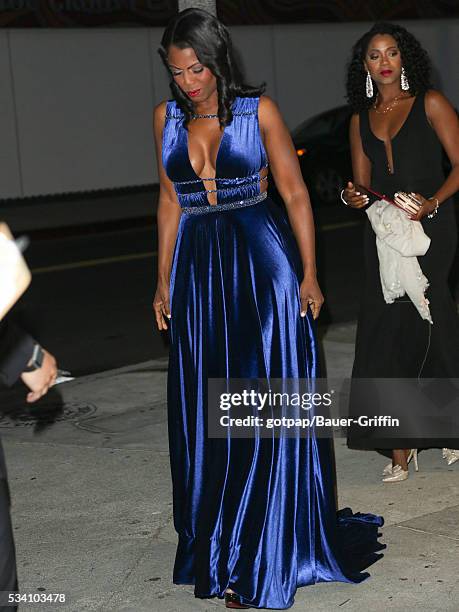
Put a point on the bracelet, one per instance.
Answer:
(435, 210)
(342, 199)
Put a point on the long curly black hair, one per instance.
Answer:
(414, 59)
(211, 42)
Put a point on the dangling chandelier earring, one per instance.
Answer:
(404, 81)
(369, 85)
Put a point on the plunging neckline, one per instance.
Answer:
(388, 143)
(203, 179)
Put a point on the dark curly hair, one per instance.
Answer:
(211, 42)
(414, 59)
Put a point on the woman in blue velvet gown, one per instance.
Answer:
(256, 518)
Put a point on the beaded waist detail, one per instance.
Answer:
(198, 210)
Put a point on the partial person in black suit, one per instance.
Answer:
(20, 357)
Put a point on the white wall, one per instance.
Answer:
(76, 105)
(81, 108)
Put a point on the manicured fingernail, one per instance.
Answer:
(357, 192)
(303, 313)
(168, 316)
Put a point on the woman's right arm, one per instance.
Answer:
(168, 217)
(361, 167)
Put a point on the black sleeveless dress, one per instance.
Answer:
(393, 341)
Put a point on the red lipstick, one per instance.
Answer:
(194, 93)
(385, 73)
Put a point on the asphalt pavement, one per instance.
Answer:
(89, 465)
(92, 513)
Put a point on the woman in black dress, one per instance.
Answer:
(398, 131)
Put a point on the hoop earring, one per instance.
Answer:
(369, 85)
(404, 81)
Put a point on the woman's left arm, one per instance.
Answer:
(286, 172)
(444, 120)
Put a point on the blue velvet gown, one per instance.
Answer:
(258, 515)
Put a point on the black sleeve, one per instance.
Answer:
(16, 348)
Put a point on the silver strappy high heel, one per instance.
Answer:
(398, 474)
(413, 455)
(451, 455)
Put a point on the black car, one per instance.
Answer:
(322, 145)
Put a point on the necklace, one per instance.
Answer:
(211, 116)
(392, 104)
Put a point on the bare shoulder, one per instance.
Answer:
(159, 118)
(267, 106)
(159, 112)
(355, 121)
(436, 102)
(354, 126)
(268, 112)
(267, 103)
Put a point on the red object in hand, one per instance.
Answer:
(375, 196)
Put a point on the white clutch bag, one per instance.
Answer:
(15, 276)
